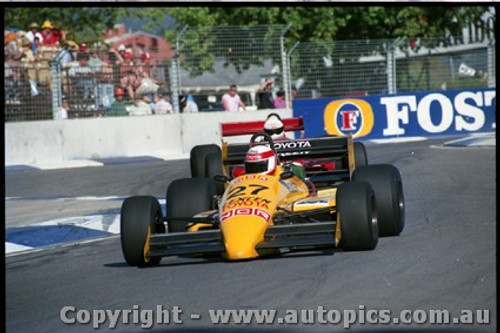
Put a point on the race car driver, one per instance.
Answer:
(276, 129)
(263, 160)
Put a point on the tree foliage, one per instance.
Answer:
(326, 24)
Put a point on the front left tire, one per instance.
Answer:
(141, 216)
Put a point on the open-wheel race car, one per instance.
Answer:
(261, 213)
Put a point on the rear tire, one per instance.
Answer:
(387, 185)
(140, 215)
(360, 158)
(187, 197)
(356, 213)
(197, 159)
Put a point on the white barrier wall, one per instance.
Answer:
(157, 135)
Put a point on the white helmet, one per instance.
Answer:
(261, 159)
(274, 126)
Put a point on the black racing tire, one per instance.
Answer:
(187, 197)
(387, 185)
(357, 215)
(197, 159)
(360, 158)
(213, 167)
(140, 216)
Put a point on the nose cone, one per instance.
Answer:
(241, 234)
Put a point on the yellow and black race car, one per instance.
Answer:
(252, 215)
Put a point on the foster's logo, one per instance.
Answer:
(348, 116)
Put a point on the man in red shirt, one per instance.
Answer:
(47, 34)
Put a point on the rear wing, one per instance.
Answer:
(252, 127)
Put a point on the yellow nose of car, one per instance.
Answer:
(240, 236)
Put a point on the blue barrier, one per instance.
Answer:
(433, 113)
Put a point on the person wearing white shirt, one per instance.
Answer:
(33, 32)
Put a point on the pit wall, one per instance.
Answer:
(94, 138)
(420, 114)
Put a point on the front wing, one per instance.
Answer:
(294, 236)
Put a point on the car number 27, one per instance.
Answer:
(252, 189)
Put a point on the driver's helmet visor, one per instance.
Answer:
(256, 167)
(274, 131)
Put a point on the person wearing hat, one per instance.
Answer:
(162, 104)
(33, 31)
(83, 47)
(187, 106)
(118, 108)
(47, 34)
(28, 56)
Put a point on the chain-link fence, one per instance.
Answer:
(212, 58)
(353, 68)
(51, 88)
(208, 60)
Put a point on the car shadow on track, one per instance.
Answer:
(189, 260)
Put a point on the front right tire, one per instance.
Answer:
(387, 185)
(356, 213)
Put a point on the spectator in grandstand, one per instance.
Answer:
(12, 69)
(37, 46)
(129, 83)
(147, 82)
(65, 56)
(28, 55)
(293, 93)
(116, 56)
(162, 104)
(279, 101)
(82, 64)
(27, 59)
(187, 106)
(142, 66)
(64, 107)
(33, 32)
(11, 47)
(82, 74)
(231, 101)
(94, 61)
(83, 47)
(118, 108)
(141, 107)
(265, 94)
(58, 35)
(47, 34)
